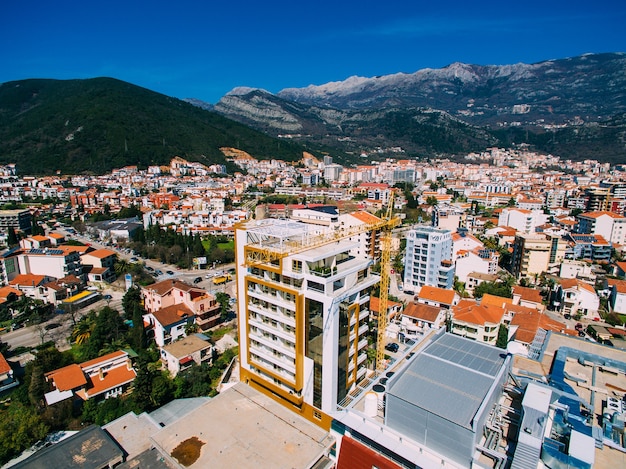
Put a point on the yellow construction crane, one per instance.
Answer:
(265, 251)
(385, 267)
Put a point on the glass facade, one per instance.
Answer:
(343, 352)
(314, 336)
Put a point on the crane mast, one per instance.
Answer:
(385, 266)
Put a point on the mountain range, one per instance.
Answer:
(574, 108)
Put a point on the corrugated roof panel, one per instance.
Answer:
(450, 378)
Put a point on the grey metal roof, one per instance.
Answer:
(91, 447)
(450, 378)
(174, 410)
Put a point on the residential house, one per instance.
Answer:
(419, 318)
(477, 260)
(528, 297)
(575, 297)
(54, 262)
(588, 246)
(101, 378)
(199, 302)
(99, 265)
(9, 294)
(617, 296)
(440, 297)
(33, 286)
(184, 353)
(524, 221)
(393, 308)
(527, 322)
(479, 322)
(476, 278)
(7, 380)
(168, 324)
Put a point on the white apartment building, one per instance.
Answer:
(428, 258)
(303, 313)
(57, 263)
(478, 260)
(524, 221)
(611, 226)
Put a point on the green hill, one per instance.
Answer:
(95, 125)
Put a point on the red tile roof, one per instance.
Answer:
(4, 365)
(528, 294)
(528, 323)
(422, 311)
(28, 280)
(437, 294)
(172, 314)
(68, 377)
(112, 378)
(101, 253)
(479, 314)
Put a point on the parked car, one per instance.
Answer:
(158, 272)
(392, 347)
(197, 280)
(107, 297)
(169, 272)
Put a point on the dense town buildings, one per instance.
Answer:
(306, 299)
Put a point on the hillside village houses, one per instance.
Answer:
(192, 198)
(555, 226)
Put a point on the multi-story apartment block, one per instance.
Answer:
(534, 254)
(428, 258)
(524, 221)
(303, 313)
(19, 220)
(53, 262)
(609, 225)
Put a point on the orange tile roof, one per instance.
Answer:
(440, 295)
(4, 365)
(172, 314)
(113, 378)
(6, 291)
(528, 294)
(68, 377)
(365, 217)
(422, 311)
(567, 283)
(375, 304)
(101, 253)
(620, 285)
(479, 314)
(28, 279)
(599, 214)
(529, 321)
(489, 299)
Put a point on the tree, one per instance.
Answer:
(431, 200)
(502, 289)
(12, 237)
(503, 336)
(20, 427)
(224, 300)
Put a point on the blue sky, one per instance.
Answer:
(191, 48)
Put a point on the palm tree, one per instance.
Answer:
(82, 332)
(122, 266)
